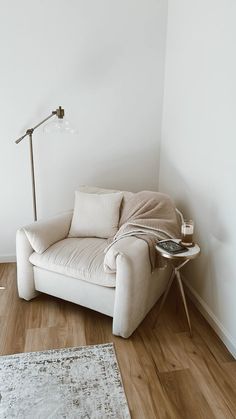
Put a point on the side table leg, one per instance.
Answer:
(184, 299)
(164, 297)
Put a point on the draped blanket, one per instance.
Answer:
(150, 216)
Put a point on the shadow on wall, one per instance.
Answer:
(61, 176)
(132, 171)
(195, 202)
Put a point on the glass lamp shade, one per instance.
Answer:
(60, 126)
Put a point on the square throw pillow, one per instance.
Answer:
(96, 215)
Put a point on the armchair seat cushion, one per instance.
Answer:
(80, 258)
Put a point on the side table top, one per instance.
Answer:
(191, 253)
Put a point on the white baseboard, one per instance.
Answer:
(210, 317)
(7, 258)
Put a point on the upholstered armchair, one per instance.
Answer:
(72, 268)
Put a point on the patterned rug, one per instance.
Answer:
(82, 383)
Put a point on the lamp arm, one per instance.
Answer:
(44, 120)
(31, 130)
(58, 112)
(21, 138)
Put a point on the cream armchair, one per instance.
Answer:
(73, 269)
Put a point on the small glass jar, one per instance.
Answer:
(187, 230)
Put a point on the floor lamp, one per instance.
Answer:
(59, 113)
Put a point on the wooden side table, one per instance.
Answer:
(177, 260)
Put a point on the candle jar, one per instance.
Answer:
(187, 229)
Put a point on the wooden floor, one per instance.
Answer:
(166, 374)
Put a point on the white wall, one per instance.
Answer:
(101, 60)
(199, 147)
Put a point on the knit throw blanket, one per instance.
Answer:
(150, 216)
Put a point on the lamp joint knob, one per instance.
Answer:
(60, 112)
(30, 131)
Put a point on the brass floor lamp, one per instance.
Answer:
(60, 115)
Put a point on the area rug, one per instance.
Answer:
(83, 382)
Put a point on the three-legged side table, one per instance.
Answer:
(177, 260)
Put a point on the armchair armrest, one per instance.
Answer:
(37, 237)
(25, 274)
(129, 247)
(42, 234)
(135, 284)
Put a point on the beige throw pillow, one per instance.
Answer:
(95, 215)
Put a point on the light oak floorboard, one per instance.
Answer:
(166, 374)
